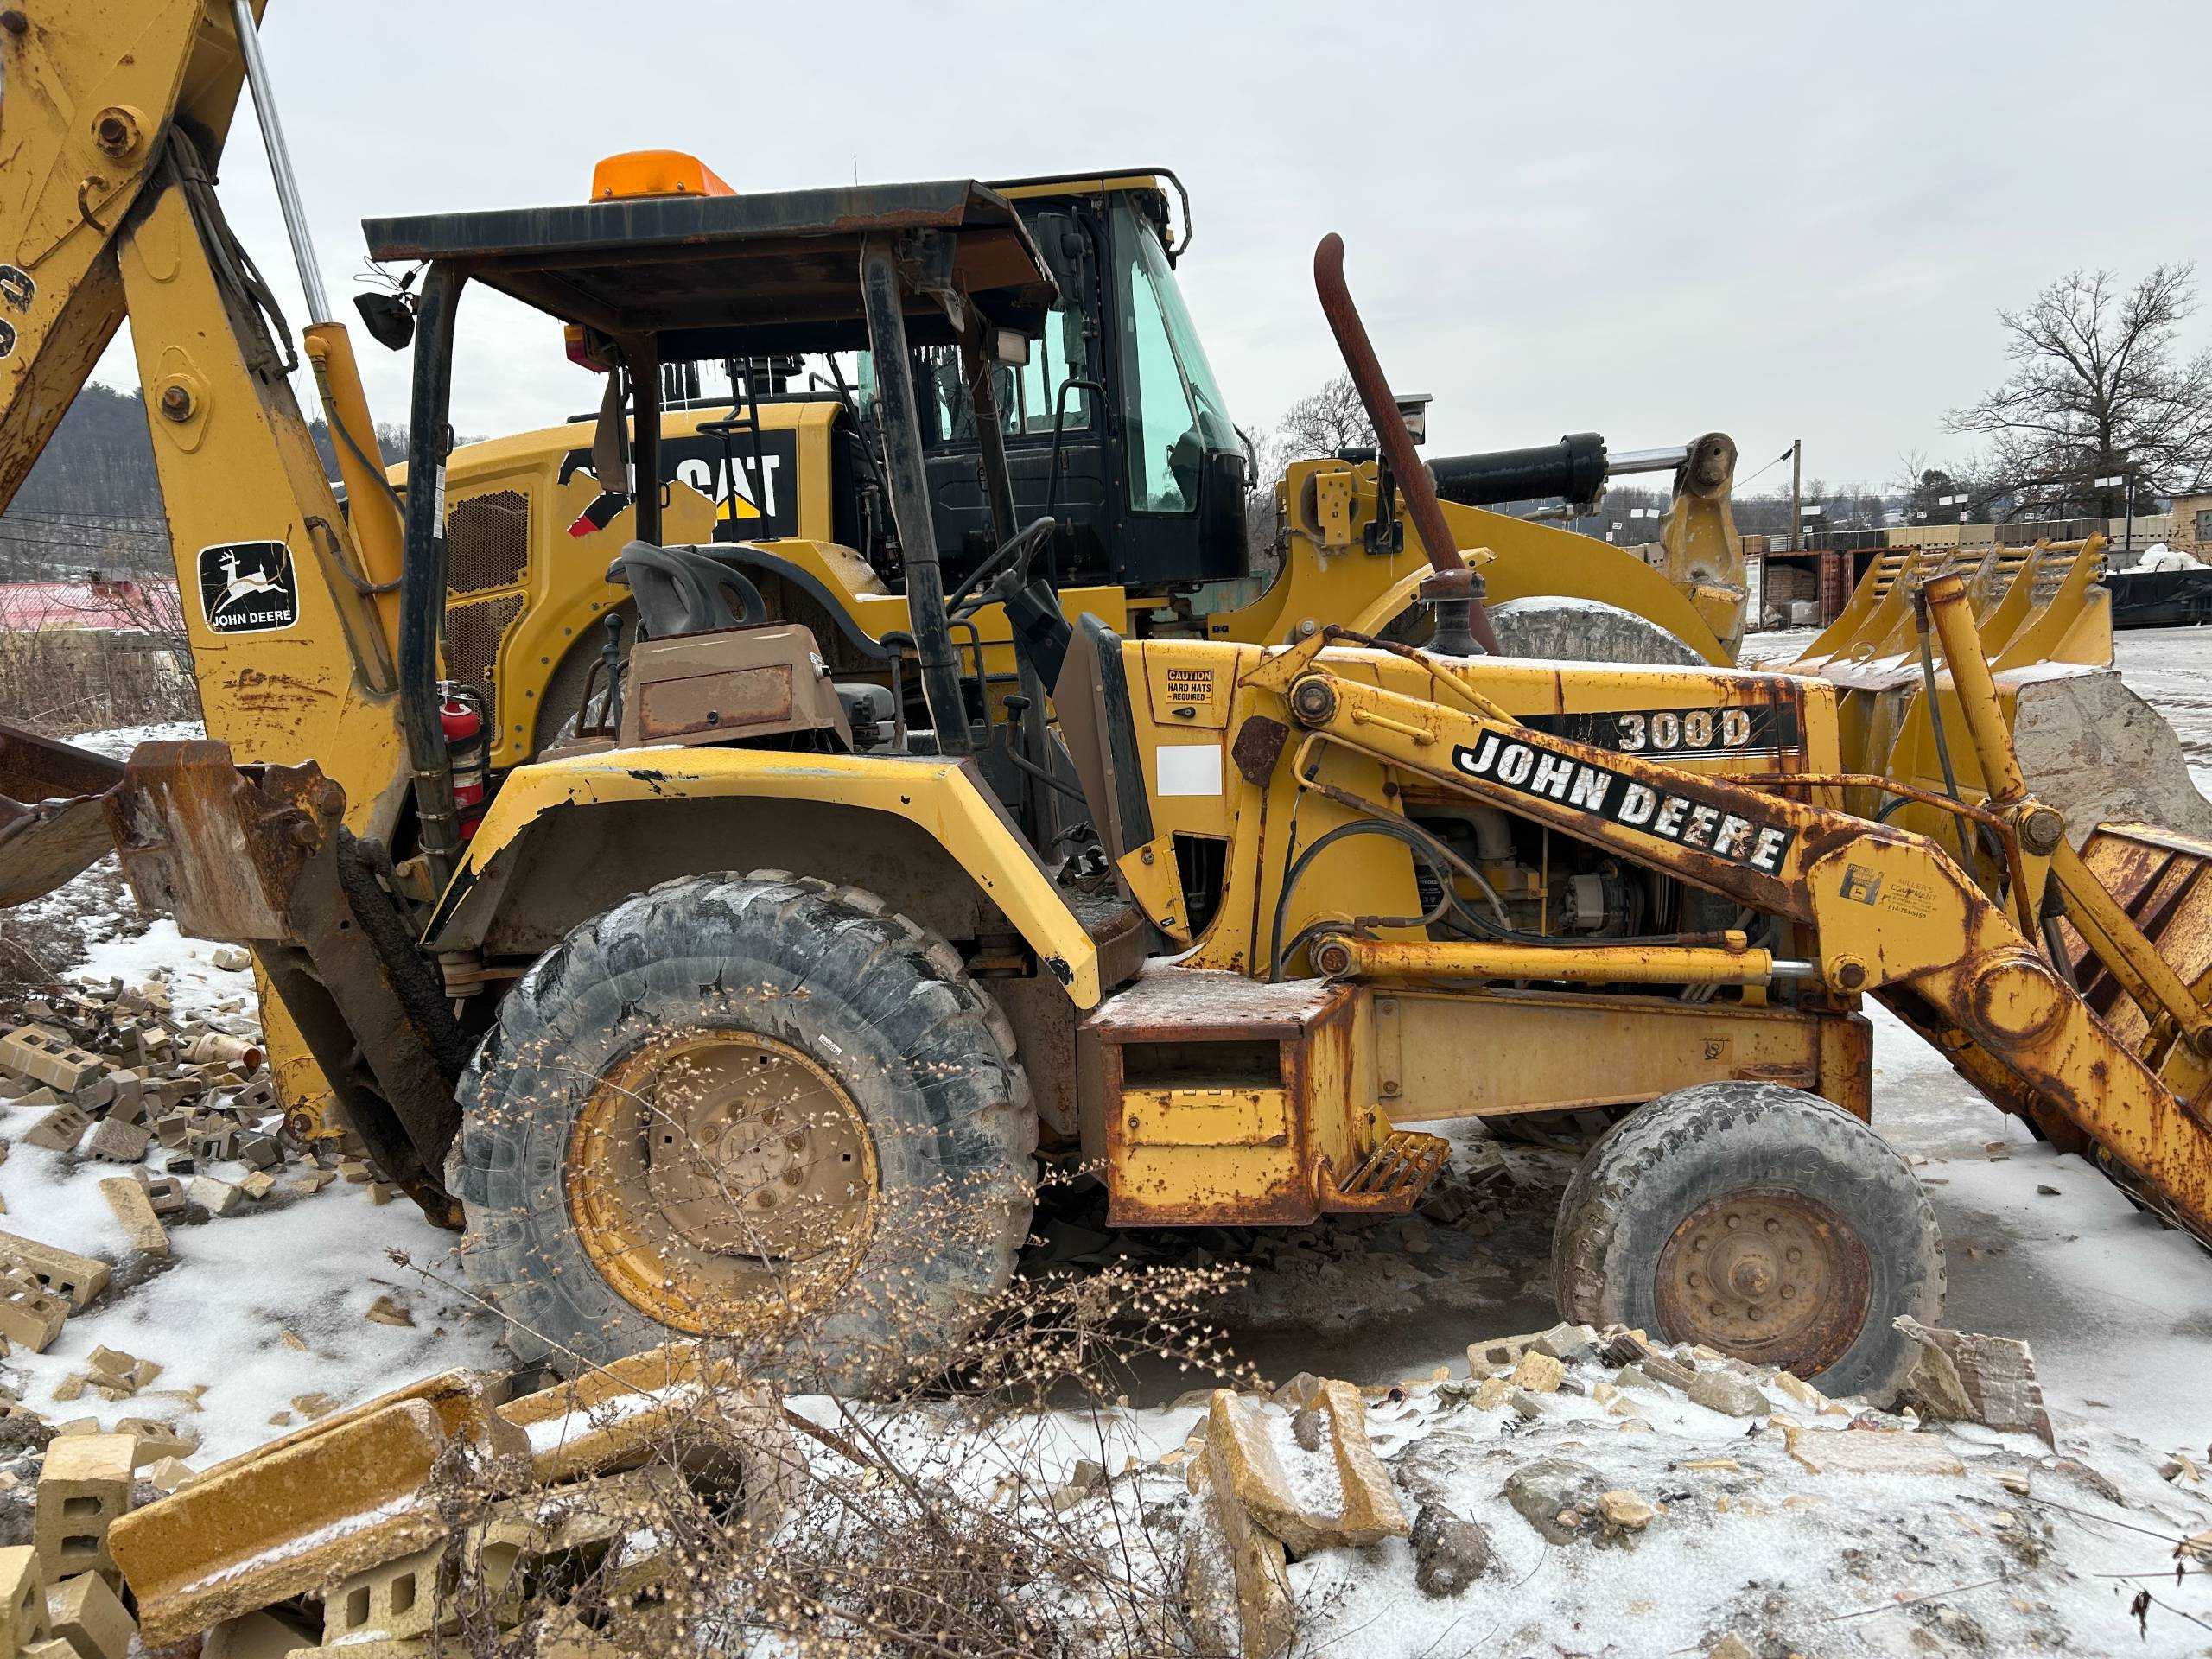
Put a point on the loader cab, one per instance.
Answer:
(1151, 473)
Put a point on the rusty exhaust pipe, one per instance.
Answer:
(1456, 589)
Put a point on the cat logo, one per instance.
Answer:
(248, 587)
(1860, 884)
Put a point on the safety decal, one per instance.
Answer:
(1531, 769)
(248, 587)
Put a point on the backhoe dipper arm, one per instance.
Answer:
(87, 92)
(1889, 910)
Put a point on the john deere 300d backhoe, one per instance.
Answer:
(753, 1005)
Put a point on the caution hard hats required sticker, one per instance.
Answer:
(1536, 771)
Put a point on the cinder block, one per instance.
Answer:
(59, 1129)
(157, 1440)
(23, 1598)
(76, 1278)
(52, 1647)
(85, 1614)
(134, 1209)
(30, 1051)
(117, 1142)
(218, 1197)
(260, 1152)
(84, 1489)
(29, 1313)
(396, 1601)
(213, 1144)
(257, 1635)
(166, 1194)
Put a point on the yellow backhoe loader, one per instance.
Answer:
(752, 1005)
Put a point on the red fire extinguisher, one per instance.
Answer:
(460, 713)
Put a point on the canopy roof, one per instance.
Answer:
(735, 276)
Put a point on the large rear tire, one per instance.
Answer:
(1762, 1221)
(759, 1108)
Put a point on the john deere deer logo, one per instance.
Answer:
(248, 586)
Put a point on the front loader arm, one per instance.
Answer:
(1889, 910)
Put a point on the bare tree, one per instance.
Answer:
(1323, 422)
(2097, 388)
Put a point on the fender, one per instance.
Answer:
(945, 798)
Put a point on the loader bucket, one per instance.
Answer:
(53, 819)
(2086, 744)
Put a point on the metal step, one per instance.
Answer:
(1389, 1180)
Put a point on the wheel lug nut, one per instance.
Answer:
(1772, 1225)
(1697, 1281)
(1794, 1255)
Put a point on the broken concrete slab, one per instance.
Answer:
(1964, 1377)
(1870, 1452)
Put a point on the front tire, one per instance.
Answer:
(1764, 1222)
(759, 1108)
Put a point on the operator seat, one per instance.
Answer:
(686, 590)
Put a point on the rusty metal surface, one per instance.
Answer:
(52, 825)
(34, 768)
(41, 847)
(1768, 1273)
(1389, 1180)
(217, 847)
(256, 855)
(1238, 1096)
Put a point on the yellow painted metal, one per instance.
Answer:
(237, 467)
(946, 798)
(373, 516)
(1572, 1050)
(1328, 575)
(1888, 910)
(1345, 956)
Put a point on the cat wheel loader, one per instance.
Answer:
(755, 1006)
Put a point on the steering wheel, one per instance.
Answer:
(1004, 573)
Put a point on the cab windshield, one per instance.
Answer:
(1173, 407)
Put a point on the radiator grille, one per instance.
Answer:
(488, 542)
(472, 635)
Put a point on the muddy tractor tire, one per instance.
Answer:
(756, 1108)
(1758, 1220)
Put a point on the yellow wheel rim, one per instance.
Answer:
(722, 1182)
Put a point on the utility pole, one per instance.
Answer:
(1796, 495)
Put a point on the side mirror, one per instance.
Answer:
(389, 319)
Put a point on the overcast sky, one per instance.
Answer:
(1644, 220)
